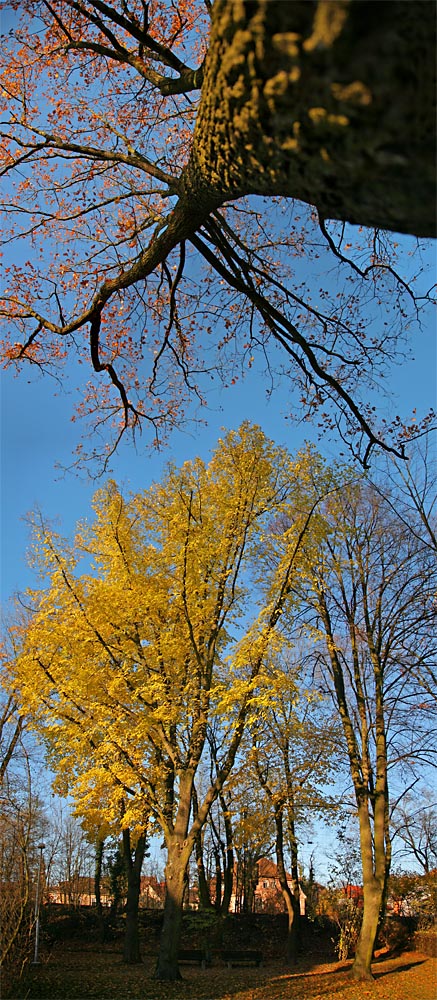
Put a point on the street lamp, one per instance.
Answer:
(37, 905)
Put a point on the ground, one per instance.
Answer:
(74, 971)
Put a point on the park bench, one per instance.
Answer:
(193, 956)
(231, 957)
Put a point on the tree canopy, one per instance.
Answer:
(137, 143)
(124, 669)
(161, 639)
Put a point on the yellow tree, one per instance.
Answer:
(124, 666)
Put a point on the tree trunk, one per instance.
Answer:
(228, 884)
(372, 893)
(228, 858)
(374, 804)
(202, 882)
(328, 101)
(387, 861)
(291, 899)
(204, 895)
(131, 946)
(218, 881)
(293, 915)
(97, 889)
(178, 855)
(373, 888)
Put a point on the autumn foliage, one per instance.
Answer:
(131, 135)
(172, 653)
(125, 667)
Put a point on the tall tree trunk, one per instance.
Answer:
(372, 900)
(178, 856)
(100, 845)
(131, 947)
(251, 883)
(374, 862)
(387, 859)
(218, 881)
(228, 883)
(228, 858)
(291, 900)
(371, 797)
(373, 804)
(179, 847)
(202, 881)
(294, 857)
(204, 894)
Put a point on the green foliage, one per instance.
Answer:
(115, 866)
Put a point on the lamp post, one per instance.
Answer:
(37, 905)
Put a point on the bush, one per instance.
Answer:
(346, 915)
(426, 941)
(17, 923)
(415, 896)
(396, 933)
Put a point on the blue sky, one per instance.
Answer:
(36, 434)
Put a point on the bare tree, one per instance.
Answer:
(415, 826)
(368, 603)
(21, 822)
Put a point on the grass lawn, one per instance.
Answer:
(75, 972)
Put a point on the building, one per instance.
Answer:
(266, 893)
(152, 892)
(79, 891)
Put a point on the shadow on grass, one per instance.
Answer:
(92, 975)
(399, 968)
(64, 979)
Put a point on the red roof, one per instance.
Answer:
(268, 869)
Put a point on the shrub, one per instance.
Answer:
(415, 896)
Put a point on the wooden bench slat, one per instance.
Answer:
(193, 956)
(248, 957)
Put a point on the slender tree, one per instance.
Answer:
(98, 872)
(22, 824)
(369, 606)
(11, 727)
(17, 823)
(215, 855)
(294, 748)
(415, 826)
(132, 132)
